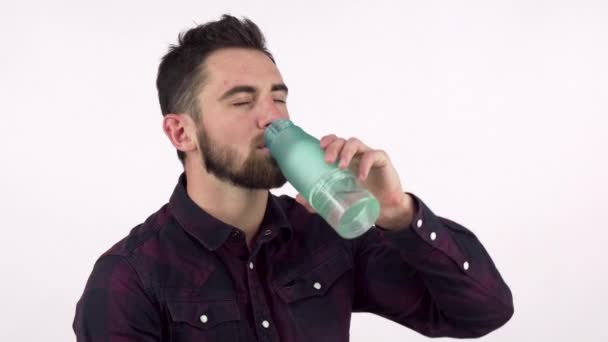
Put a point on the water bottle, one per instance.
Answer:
(334, 193)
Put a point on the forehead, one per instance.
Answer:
(226, 68)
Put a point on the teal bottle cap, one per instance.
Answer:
(274, 130)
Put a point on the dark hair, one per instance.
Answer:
(181, 72)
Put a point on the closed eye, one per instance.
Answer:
(238, 104)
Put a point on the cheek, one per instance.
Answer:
(236, 137)
(230, 132)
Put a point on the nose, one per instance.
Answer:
(271, 113)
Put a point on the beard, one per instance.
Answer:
(258, 171)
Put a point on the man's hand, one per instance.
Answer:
(375, 173)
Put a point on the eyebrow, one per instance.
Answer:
(251, 90)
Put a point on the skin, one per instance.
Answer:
(229, 177)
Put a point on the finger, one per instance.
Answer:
(369, 160)
(352, 148)
(300, 199)
(331, 152)
(326, 140)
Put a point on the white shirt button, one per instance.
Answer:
(433, 236)
(419, 223)
(466, 265)
(250, 265)
(204, 318)
(317, 286)
(266, 324)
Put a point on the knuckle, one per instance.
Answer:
(337, 144)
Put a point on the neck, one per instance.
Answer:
(236, 206)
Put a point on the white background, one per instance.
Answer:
(493, 112)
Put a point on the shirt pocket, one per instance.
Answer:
(204, 320)
(315, 281)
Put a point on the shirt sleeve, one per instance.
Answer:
(433, 276)
(114, 305)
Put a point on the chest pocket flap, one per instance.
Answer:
(316, 282)
(204, 315)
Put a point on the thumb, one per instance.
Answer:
(300, 199)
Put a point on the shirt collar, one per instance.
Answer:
(212, 232)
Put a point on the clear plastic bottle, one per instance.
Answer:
(334, 193)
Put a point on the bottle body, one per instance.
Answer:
(334, 193)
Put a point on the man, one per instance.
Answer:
(225, 260)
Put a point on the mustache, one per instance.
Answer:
(260, 142)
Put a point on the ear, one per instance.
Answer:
(181, 131)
